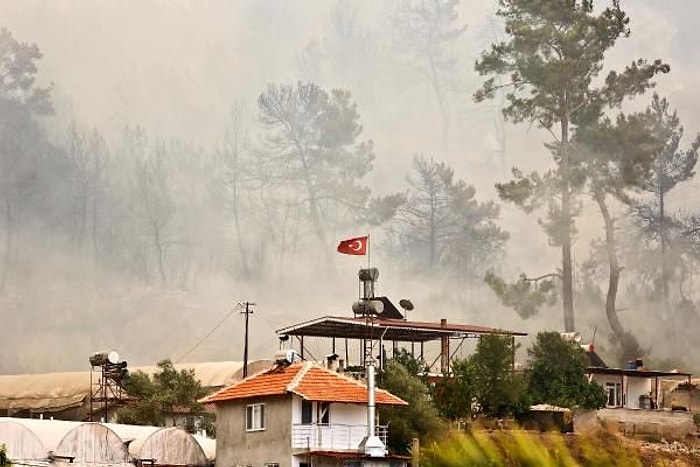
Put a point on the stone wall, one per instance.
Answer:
(640, 423)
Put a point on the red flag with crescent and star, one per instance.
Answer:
(354, 246)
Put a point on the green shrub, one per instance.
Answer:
(4, 460)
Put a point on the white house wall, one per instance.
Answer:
(349, 414)
(632, 387)
(635, 387)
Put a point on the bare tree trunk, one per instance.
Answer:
(433, 230)
(567, 269)
(235, 188)
(313, 201)
(9, 230)
(444, 110)
(665, 273)
(615, 269)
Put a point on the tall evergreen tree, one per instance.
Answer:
(553, 59)
(671, 166)
(23, 143)
(442, 224)
(427, 33)
(616, 158)
(313, 149)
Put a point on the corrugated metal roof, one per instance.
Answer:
(306, 379)
(390, 329)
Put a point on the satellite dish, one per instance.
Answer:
(406, 304)
(113, 357)
(104, 358)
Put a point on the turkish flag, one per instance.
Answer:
(354, 246)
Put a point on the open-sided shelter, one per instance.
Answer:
(377, 324)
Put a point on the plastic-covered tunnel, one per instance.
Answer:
(33, 441)
(168, 446)
(40, 442)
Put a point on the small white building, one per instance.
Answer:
(635, 387)
(297, 415)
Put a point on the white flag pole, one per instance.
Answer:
(368, 252)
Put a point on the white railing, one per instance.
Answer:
(334, 436)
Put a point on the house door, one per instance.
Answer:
(614, 391)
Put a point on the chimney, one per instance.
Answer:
(332, 362)
(371, 444)
(444, 350)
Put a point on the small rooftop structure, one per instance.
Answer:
(389, 329)
(376, 321)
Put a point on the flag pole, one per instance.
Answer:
(368, 252)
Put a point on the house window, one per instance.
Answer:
(271, 464)
(306, 412)
(324, 413)
(614, 391)
(255, 417)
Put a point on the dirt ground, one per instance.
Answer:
(656, 453)
(676, 453)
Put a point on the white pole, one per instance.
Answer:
(370, 398)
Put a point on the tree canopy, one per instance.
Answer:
(554, 56)
(312, 146)
(419, 419)
(557, 374)
(154, 398)
(441, 226)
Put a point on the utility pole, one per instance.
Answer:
(247, 313)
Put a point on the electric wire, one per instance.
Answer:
(206, 336)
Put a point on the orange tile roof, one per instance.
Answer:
(306, 379)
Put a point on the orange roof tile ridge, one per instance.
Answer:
(299, 376)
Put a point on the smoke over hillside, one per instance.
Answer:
(160, 192)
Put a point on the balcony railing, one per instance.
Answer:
(335, 436)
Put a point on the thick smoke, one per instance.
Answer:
(177, 82)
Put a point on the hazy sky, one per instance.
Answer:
(177, 67)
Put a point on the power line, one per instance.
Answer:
(206, 336)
